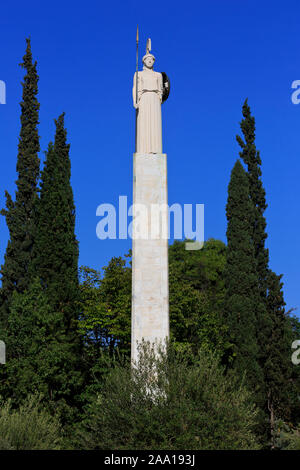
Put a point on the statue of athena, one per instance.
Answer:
(150, 90)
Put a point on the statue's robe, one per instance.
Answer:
(149, 127)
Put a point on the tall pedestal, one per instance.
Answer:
(150, 283)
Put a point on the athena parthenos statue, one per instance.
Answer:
(150, 90)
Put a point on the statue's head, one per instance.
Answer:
(148, 61)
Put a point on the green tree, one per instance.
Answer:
(43, 344)
(196, 284)
(242, 306)
(116, 293)
(40, 357)
(19, 213)
(56, 248)
(251, 157)
(105, 321)
(268, 325)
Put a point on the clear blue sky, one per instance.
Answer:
(216, 53)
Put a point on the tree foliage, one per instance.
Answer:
(242, 306)
(251, 157)
(56, 248)
(271, 323)
(197, 290)
(19, 214)
(39, 356)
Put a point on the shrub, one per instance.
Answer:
(29, 427)
(185, 405)
(286, 437)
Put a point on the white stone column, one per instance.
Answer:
(150, 283)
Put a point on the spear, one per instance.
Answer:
(136, 85)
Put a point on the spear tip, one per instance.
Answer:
(137, 33)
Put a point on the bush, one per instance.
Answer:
(286, 437)
(292, 440)
(185, 405)
(29, 427)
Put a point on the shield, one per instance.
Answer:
(166, 86)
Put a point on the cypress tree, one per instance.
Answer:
(271, 324)
(41, 356)
(19, 213)
(251, 157)
(55, 265)
(241, 280)
(56, 247)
